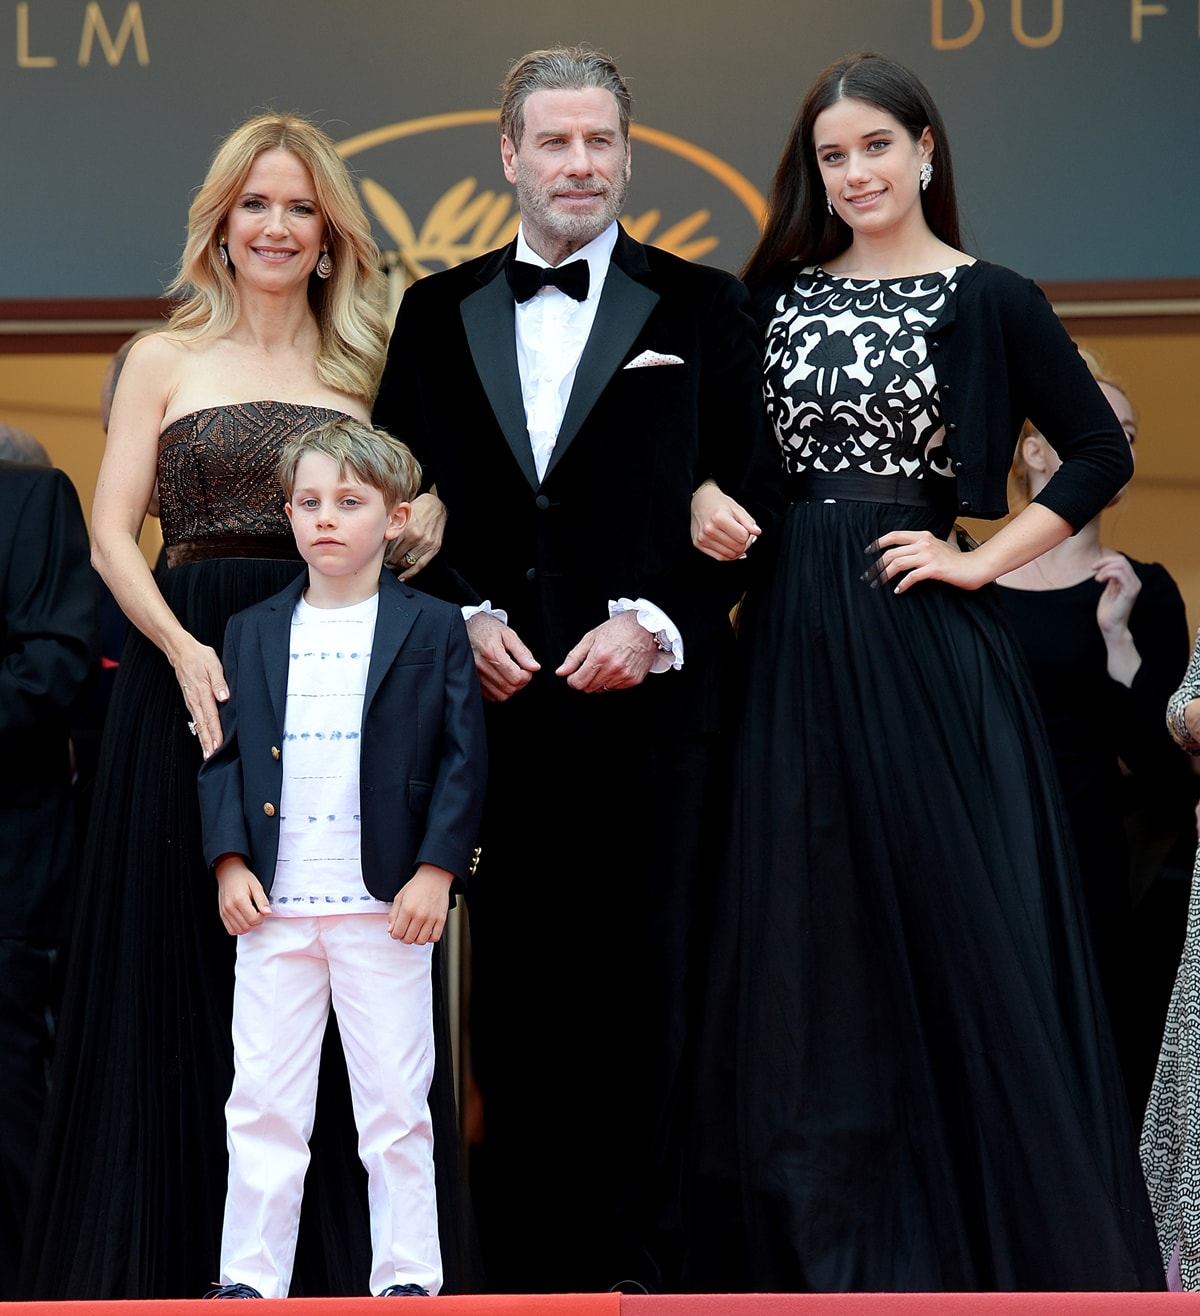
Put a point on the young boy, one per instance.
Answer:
(338, 813)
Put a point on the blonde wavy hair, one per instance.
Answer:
(348, 305)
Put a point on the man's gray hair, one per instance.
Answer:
(18, 445)
(562, 68)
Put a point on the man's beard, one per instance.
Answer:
(538, 209)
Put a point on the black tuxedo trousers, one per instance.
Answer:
(582, 919)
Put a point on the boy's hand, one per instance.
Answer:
(242, 902)
(421, 905)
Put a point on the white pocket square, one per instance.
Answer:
(649, 358)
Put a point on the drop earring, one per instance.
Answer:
(325, 264)
(828, 203)
(926, 173)
(222, 253)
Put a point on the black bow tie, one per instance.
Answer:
(525, 279)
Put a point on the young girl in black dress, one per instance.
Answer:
(904, 1082)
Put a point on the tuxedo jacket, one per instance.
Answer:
(48, 654)
(422, 761)
(611, 517)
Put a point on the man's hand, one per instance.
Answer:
(503, 662)
(614, 656)
(242, 902)
(420, 907)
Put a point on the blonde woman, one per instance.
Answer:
(280, 329)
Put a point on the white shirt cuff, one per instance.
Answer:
(666, 633)
(470, 609)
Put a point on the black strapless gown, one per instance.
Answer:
(130, 1188)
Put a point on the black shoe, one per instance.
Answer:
(233, 1291)
(404, 1291)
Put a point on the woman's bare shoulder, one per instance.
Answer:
(162, 349)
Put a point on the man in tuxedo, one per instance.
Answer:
(567, 394)
(47, 652)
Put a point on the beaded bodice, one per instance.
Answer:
(216, 469)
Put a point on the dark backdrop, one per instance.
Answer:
(1076, 156)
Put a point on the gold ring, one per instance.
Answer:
(409, 559)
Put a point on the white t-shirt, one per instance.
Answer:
(319, 869)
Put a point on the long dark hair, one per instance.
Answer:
(798, 226)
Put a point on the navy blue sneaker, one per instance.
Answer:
(233, 1291)
(404, 1291)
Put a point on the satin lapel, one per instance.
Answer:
(275, 641)
(625, 305)
(490, 322)
(398, 610)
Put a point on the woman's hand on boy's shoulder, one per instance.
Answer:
(421, 538)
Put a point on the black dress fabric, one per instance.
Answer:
(130, 1188)
(905, 1079)
(1095, 725)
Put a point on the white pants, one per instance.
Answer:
(287, 970)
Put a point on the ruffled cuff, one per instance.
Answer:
(470, 609)
(667, 638)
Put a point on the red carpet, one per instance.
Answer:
(761, 1304)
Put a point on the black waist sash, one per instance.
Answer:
(862, 487)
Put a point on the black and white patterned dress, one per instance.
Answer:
(905, 1078)
(1171, 1130)
(848, 380)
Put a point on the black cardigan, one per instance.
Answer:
(1001, 355)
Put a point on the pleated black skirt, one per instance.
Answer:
(905, 1077)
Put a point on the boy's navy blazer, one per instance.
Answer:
(423, 759)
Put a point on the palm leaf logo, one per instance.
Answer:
(680, 238)
(465, 222)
